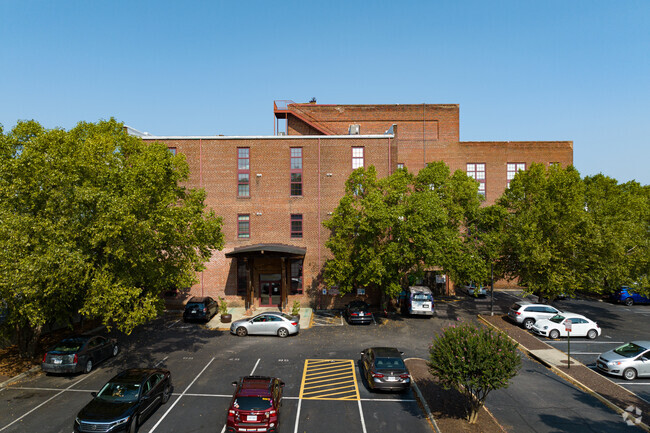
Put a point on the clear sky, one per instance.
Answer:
(520, 70)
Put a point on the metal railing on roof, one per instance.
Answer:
(282, 104)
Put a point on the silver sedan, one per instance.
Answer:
(269, 323)
(630, 360)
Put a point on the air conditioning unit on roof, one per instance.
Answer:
(354, 129)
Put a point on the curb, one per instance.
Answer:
(420, 397)
(20, 376)
(567, 377)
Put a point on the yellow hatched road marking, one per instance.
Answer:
(329, 379)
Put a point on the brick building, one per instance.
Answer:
(274, 192)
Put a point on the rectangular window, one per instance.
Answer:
(296, 225)
(513, 168)
(296, 276)
(243, 172)
(357, 157)
(243, 226)
(172, 150)
(242, 277)
(296, 171)
(477, 171)
(400, 165)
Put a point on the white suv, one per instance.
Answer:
(526, 314)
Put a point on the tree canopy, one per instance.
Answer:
(96, 222)
(385, 228)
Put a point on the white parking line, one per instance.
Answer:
(633, 383)
(586, 353)
(256, 364)
(295, 430)
(584, 342)
(181, 396)
(173, 323)
(48, 400)
(161, 361)
(363, 422)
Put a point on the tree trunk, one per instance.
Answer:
(27, 340)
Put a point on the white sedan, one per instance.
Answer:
(556, 326)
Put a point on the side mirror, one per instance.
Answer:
(94, 394)
(401, 353)
(234, 383)
(363, 353)
(281, 384)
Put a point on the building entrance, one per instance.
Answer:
(270, 289)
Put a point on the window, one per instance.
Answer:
(296, 171)
(400, 165)
(242, 277)
(296, 276)
(296, 225)
(357, 157)
(477, 172)
(243, 172)
(172, 150)
(513, 168)
(243, 226)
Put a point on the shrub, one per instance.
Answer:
(474, 360)
(223, 307)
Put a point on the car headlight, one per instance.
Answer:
(120, 421)
(76, 420)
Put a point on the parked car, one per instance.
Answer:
(417, 300)
(626, 295)
(125, 401)
(473, 289)
(357, 312)
(555, 327)
(630, 360)
(384, 369)
(78, 354)
(526, 314)
(200, 308)
(255, 405)
(268, 323)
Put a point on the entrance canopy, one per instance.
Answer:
(281, 249)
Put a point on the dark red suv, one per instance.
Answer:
(255, 406)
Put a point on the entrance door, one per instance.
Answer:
(270, 286)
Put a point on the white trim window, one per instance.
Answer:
(512, 169)
(476, 170)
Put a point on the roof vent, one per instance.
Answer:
(354, 129)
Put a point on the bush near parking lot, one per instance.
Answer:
(474, 360)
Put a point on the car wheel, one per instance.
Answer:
(89, 366)
(629, 302)
(629, 374)
(592, 334)
(167, 392)
(283, 332)
(134, 424)
(241, 331)
(116, 350)
(528, 323)
(554, 334)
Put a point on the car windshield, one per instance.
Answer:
(358, 307)
(69, 345)
(389, 363)
(119, 392)
(421, 297)
(252, 403)
(557, 318)
(286, 316)
(630, 350)
(194, 305)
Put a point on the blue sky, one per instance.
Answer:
(520, 70)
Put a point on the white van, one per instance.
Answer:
(417, 300)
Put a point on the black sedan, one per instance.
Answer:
(81, 353)
(384, 369)
(357, 312)
(200, 308)
(125, 401)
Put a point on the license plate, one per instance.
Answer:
(57, 361)
(391, 379)
(251, 418)
(193, 312)
(361, 314)
(425, 305)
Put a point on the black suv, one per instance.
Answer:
(200, 308)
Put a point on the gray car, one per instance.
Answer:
(268, 323)
(630, 360)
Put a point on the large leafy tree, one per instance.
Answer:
(385, 228)
(94, 221)
(545, 230)
(617, 251)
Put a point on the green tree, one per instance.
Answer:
(545, 230)
(474, 360)
(94, 221)
(384, 229)
(617, 250)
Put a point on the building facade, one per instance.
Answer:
(274, 192)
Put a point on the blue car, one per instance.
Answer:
(626, 296)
